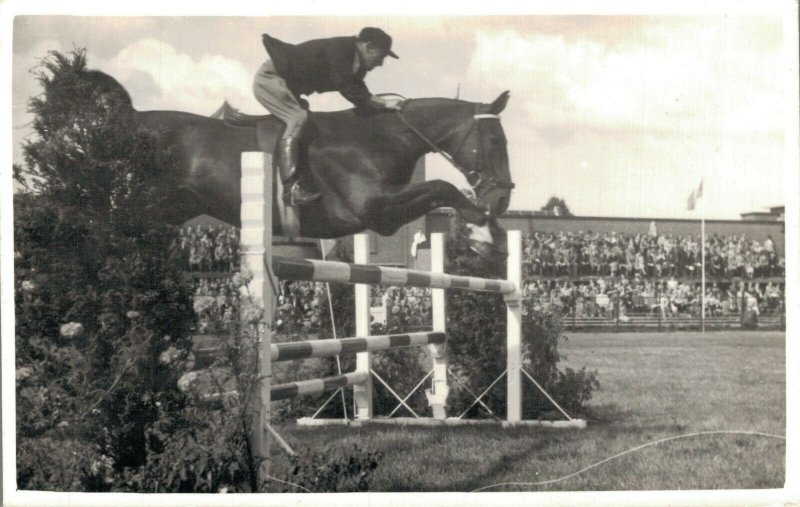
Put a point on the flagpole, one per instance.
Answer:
(702, 264)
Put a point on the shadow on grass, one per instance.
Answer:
(612, 417)
(496, 472)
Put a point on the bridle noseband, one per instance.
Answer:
(474, 177)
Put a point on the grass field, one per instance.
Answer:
(653, 386)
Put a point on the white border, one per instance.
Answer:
(785, 8)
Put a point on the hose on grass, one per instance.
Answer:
(629, 451)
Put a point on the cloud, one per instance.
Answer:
(648, 113)
(685, 76)
(159, 77)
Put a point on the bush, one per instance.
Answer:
(99, 289)
(477, 343)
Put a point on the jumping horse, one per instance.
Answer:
(361, 161)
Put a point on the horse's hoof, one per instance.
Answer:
(480, 233)
(482, 248)
(499, 250)
(500, 254)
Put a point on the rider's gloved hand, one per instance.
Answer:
(395, 104)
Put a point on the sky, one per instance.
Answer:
(618, 115)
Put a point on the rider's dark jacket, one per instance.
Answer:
(319, 65)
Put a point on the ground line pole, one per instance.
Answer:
(362, 393)
(514, 329)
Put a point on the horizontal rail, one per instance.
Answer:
(316, 386)
(334, 347)
(343, 272)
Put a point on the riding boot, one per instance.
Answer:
(293, 193)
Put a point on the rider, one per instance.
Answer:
(320, 65)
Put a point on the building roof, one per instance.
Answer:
(769, 218)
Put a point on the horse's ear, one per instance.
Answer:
(499, 103)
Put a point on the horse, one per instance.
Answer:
(360, 160)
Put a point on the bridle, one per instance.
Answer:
(473, 175)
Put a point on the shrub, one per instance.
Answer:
(477, 343)
(99, 289)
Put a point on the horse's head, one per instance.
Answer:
(478, 148)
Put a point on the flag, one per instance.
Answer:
(653, 231)
(419, 238)
(695, 195)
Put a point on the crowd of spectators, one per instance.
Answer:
(590, 274)
(303, 303)
(211, 248)
(407, 308)
(576, 254)
(617, 298)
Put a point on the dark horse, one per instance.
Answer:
(360, 161)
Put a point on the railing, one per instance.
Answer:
(613, 313)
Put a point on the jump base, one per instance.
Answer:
(452, 421)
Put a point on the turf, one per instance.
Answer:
(653, 386)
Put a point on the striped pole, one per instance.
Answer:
(293, 351)
(343, 272)
(316, 386)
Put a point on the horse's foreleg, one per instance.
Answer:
(390, 211)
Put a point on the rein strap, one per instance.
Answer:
(434, 147)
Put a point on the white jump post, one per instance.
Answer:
(437, 394)
(256, 254)
(514, 329)
(362, 393)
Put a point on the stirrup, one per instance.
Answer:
(296, 195)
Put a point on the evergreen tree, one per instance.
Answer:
(100, 288)
(558, 206)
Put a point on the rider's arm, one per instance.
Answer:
(340, 66)
(356, 92)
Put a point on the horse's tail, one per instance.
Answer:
(235, 118)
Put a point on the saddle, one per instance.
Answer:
(268, 132)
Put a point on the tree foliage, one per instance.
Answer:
(557, 206)
(99, 289)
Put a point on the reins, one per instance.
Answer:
(469, 174)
